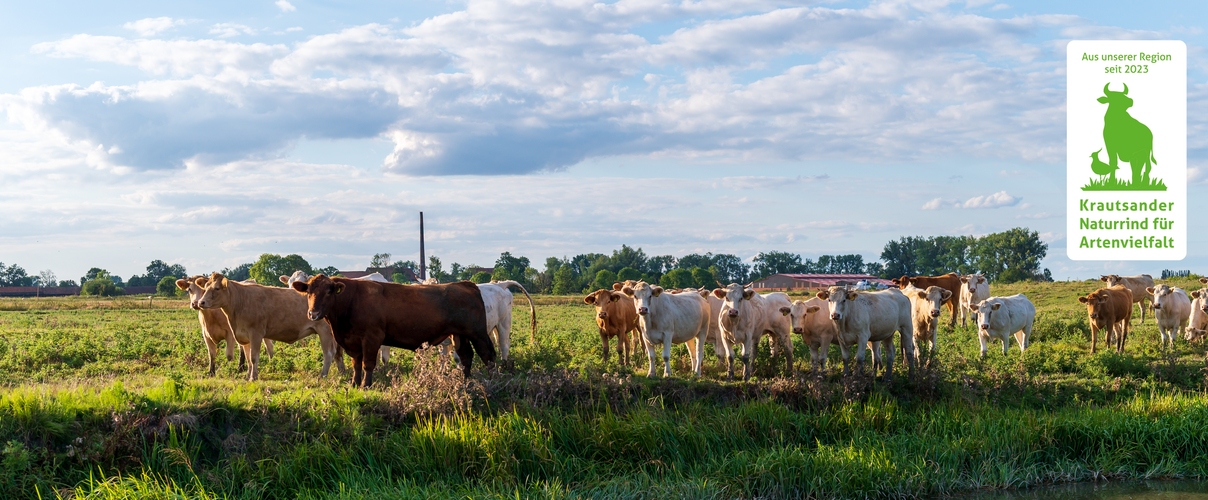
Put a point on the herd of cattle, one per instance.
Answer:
(365, 317)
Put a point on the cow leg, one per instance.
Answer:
(469, 346)
(786, 343)
(815, 358)
(1021, 338)
(650, 356)
(356, 370)
(369, 358)
(887, 361)
(384, 354)
(269, 349)
(253, 359)
(503, 332)
(983, 337)
(604, 342)
(861, 346)
(876, 356)
(693, 344)
(212, 349)
(1094, 336)
(244, 352)
(622, 349)
(951, 312)
(327, 344)
(748, 355)
(666, 354)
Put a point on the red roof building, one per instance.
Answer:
(783, 282)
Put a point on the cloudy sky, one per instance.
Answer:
(208, 133)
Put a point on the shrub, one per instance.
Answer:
(102, 287)
(481, 277)
(167, 286)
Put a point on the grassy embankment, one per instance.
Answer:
(107, 399)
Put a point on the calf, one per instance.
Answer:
(259, 312)
(974, 289)
(925, 312)
(1109, 308)
(1000, 317)
(950, 281)
(810, 320)
(366, 315)
(616, 316)
(861, 318)
(747, 316)
(1135, 284)
(1197, 327)
(214, 326)
(667, 319)
(1171, 309)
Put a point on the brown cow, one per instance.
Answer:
(950, 282)
(616, 316)
(259, 312)
(214, 326)
(365, 315)
(1108, 308)
(1135, 284)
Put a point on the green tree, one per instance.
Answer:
(455, 271)
(481, 277)
(730, 269)
(157, 269)
(605, 279)
(627, 257)
(101, 286)
(380, 260)
(166, 286)
(242, 272)
(269, 267)
(328, 271)
(629, 273)
(514, 265)
(703, 278)
(400, 278)
(502, 274)
(677, 278)
(435, 270)
(767, 264)
(14, 275)
(565, 281)
(1018, 250)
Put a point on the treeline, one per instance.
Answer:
(1004, 257)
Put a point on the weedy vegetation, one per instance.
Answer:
(108, 398)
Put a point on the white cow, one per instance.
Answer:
(667, 319)
(715, 333)
(811, 320)
(1197, 327)
(925, 307)
(1171, 310)
(745, 317)
(861, 318)
(498, 301)
(1000, 317)
(974, 289)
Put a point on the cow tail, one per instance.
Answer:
(532, 310)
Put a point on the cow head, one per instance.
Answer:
(195, 287)
(620, 285)
(733, 295)
(1110, 279)
(837, 298)
(799, 313)
(320, 292)
(933, 296)
(297, 276)
(1200, 299)
(215, 291)
(971, 281)
(986, 317)
(602, 299)
(1194, 334)
(1161, 294)
(1096, 307)
(643, 295)
(1116, 99)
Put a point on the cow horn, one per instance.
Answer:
(719, 285)
(1125, 89)
(1105, 88)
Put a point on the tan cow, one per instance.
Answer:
(974, 289)
(214, 326)
(259, 312)
(1171, 310)
(1135, 284)
(950, 282)
(811, 320)
(1197, 327)
(925, 307)
(616, 317)
(746, 317)
(1109, 309)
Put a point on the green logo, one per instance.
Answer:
(1127, 140)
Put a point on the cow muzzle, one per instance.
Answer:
(602, 315)
(643, 311)
(798, 329)
(194, 306)
(836, 316)
(733, 313)
(314, 315)
(1204, 308)
(935, 313)
(1157, 307)
(985, 326)
(1094, 316)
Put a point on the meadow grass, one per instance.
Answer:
(107, 399)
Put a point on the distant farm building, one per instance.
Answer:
(786, 282)
(386, 272)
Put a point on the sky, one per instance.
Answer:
(208, 133)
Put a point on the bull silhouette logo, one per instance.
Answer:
(1127, 140)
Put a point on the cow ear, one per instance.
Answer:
(704, 293)
(656, 291)
(1103, 278)
(590, 299)
(627, 291)
(1204, 281)
(617, 286)
(300, 286)
(946, 295)
(1102, 100)
(613, 297)
(921, 294)
(1083, 300)
(981, 280)
(338, 288)
(284, 279)
(852, 295)
(182, 284)
(973, 307)
(1195, 294)
(719, 293)
(995, 306)
(964, 279)
(748, 293)
(201, 282)
(812, 309)
(823, 294)
(1149, 290)
(786, 310)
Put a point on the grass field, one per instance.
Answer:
(108, 399)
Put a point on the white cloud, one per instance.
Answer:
(227, 30)
(285, 6)
(176, 57)
(152, 26)
(293, 29)
(996, 200)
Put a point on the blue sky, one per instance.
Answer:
(207, 133)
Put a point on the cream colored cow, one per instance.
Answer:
(1171, 310)
(747, 316)
(861, 318)
(214, 326)
(667, 319)
(974, 289)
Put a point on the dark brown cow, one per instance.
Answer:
(365, 315)
(950, 282)
(617, 317)
(1109, 309)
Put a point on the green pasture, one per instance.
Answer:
(107, 398)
